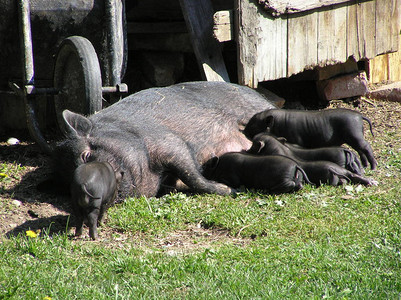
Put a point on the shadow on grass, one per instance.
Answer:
(59, 224)
(31, 186)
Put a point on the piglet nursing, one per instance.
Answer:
(312, 129)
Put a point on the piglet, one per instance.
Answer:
(267, 144)
(93, 189)
(319, 172)
(274, 174)
(313, 129)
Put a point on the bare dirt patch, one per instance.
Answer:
(23, 207)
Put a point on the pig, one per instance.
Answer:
(318, 172)
(274, 174)
(267, 144)
(161, 133)
(326, 172)
(93, 190)
(313, 129)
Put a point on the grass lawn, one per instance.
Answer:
(319, 243)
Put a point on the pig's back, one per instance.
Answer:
(206, 115)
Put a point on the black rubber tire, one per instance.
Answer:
(78, 78)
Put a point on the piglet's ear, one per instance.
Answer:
(282, 140)
(76, 124)
(256, 147)
(213, 162)
(269, 121)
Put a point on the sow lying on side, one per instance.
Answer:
(160, 133)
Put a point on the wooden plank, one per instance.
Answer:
(378, 69)
(247, 22)
(271, 60)
(198, 16)
(352, 31)
(394, 61)
(223, 25)
(331, 44)
(384, 19)
(302, 42)
(262, 46)
(366, 34)
(396, 26)
(294, 6)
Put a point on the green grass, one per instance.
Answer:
(331, 243)
(318, 243)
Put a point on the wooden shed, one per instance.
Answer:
(280, 38)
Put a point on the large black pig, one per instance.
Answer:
(161, 131)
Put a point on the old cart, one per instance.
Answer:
(74, 50)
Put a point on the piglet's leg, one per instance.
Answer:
(92, 222)
(80, 224)
(285, 187)
(355, 178)
(366, 153)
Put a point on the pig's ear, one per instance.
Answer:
(282, 140)
(212, 163)
(269, 121)
(75, 124)
(119, 176)
(256, 147)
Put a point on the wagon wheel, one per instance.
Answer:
(77, 77)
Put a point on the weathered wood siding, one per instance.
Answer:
(275, 47)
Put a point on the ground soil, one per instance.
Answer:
(23, 207)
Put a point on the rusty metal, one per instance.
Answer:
(111, 19)
(119, 89)
(28, 74)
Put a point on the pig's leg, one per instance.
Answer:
(187, 171)
(365, 152)
(338, 176)
(352, 163)
(179, 161)
(285, 187)
(101, 216)
(79, 227)
(194, 179)
(333, 179)
(92, 222)
(79, 218)
(363, 157)
(355, 178)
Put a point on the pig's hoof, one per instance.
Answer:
(222, 189)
